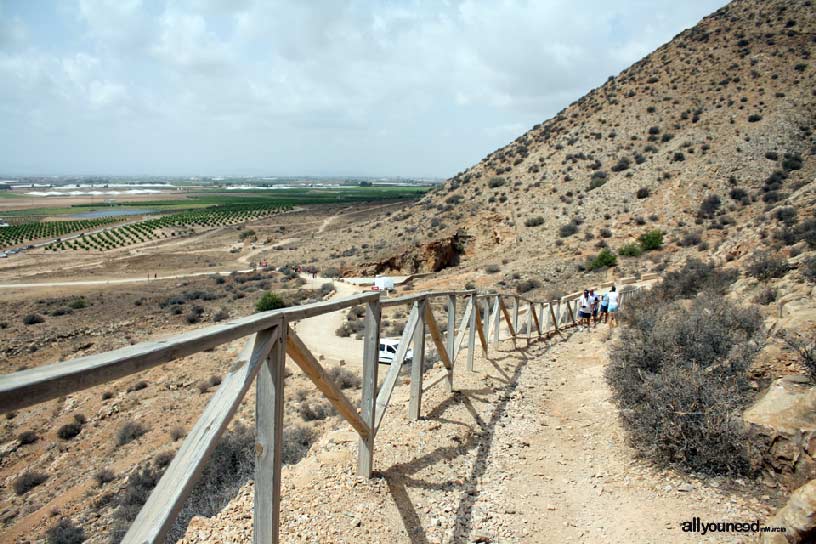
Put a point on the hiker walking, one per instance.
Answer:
(585, 309)
(613, 305)
(604, 308)
(596, 305)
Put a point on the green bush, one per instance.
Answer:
(651, 240)
(630, 250)
(534, 221)
(604, 259)
(269, 301)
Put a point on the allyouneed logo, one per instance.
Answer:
(696, 525)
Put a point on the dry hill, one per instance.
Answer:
(700, 139)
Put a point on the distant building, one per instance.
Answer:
(3, 224)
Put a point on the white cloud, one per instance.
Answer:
(284, 86)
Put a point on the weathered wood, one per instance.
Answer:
(571, 313)
(496, 321)
(436, 336)
(507, 318)
(515, 312)
(159, 513)
(535, 318)
(35, 385)
(529, 321)
(269, 443)
(438, 377)
(486, 318)
(451, 338)
(413, 297)
(555, 321)
(387, 387)
(418, 363)
(371, 355)
(474, 315)
(480, 330)
(301, 355)
(463, 328)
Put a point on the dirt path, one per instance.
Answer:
(528, 450)
(318, 332)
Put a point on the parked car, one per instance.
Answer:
(3, 255)
(388, 350)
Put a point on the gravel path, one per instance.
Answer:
(528, 450)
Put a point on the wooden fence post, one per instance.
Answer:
(496, 322)
(371, 355)
(474, 310)
(451, 340)
(486, 318)
(269, 443)
(529, 322)
(417, 362)
(515, 313)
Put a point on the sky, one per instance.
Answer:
(317, 87)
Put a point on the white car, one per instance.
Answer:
(388, 350)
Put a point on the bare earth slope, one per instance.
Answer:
(529, 450)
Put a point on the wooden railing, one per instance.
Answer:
(262, 360)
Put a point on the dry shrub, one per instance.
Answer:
(344, 379)
(679, 376)
(129, 432)
(65, 532)
(28, 481)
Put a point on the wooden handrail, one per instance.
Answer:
(262, 361)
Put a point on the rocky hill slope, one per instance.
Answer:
(700, 139)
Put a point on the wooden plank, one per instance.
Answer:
(299, 353)
(433, 328)
(474, 315)
(463, 328)
(40, 384)
(529, 321)
(269, 444)
(159, 513)
(515, 312)
(507, 318)
(440, 376)
(371, 355)
(451, 348)
(542, 317)
(480, 330)
(535, 318)
(486, 318)
(496, 321)
(418, 363)
(387, 387)
(571, 313)
(555, 321)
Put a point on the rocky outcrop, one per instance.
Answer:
(782, 428)
(798, 517)
(431, 257)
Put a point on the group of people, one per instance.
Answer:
(597, 308)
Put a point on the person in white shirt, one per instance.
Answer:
(585, 309)
(613, 305)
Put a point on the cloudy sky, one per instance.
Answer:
(318, 87)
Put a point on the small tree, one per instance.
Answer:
(603, 259)
(651, 240)
(269, 301)
(630, 250)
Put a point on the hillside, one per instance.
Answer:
(722, 114)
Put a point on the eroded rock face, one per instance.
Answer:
(798, 517)
(782, 427)
(431, 257)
